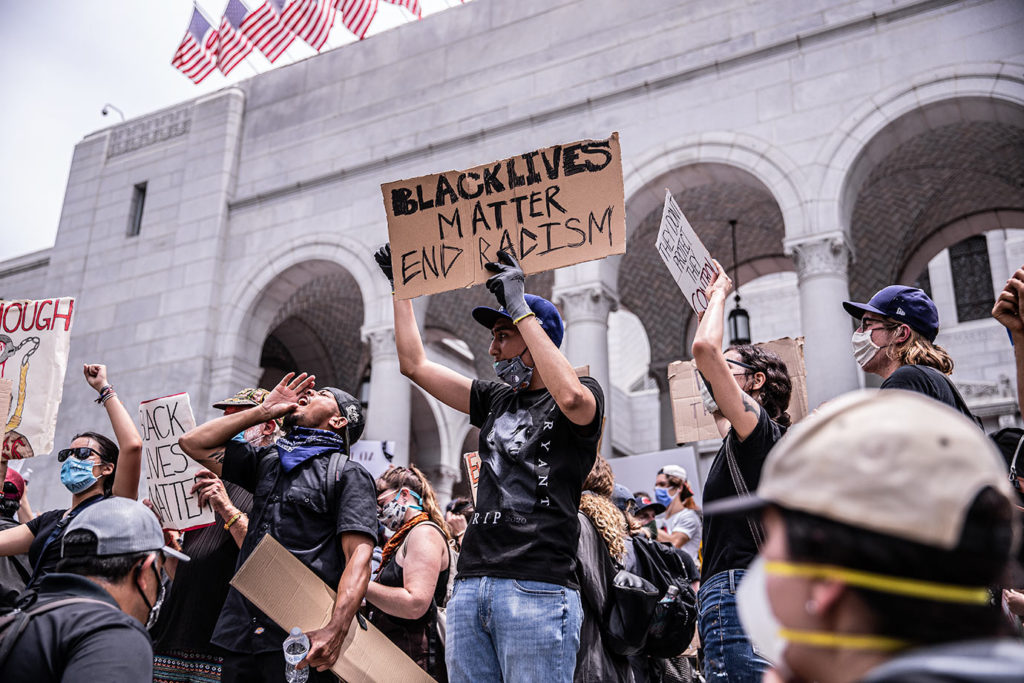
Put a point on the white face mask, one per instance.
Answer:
(756, 614)
(864, 349)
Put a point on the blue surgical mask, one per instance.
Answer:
(514, 372)
(662, 495)
(240, 438)
(76, 475)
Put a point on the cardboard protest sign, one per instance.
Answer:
(170, 473)
(375, 456)
(693, 422)
(551, 207)
(687, 258)
(473, 467)
(35, 337)
(292, 595)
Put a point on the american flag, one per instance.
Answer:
(234, 45)
(357, 15)
(411, 5)
(266, 30)
(197, 54)
(311, 20)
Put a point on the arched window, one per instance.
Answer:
(972, 278)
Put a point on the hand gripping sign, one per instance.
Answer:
(35, 337)
(169, 472)
(551, 207)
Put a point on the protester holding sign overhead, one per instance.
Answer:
(308, 496)
(515, 611)
(748, 392)
(93, 468)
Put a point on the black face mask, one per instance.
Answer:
(154, 608)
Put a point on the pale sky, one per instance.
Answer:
(63, 61)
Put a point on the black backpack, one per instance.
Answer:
(633, 621)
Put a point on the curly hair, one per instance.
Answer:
(600, 480)
(774, 394)
(608, 521)
(411, 478)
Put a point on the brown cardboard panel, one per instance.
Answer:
(292, 595)
(693, 423)
(551, 207)
(6, 387)
(473, 467)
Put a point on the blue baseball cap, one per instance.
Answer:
(547, 315)
(908, 305)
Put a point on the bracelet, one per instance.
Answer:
(523, 317)
(110, 395)
(105, 393)
(234, 518)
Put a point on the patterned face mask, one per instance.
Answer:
(514, 372)
(393, 513)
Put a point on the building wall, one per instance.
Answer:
(255, 189)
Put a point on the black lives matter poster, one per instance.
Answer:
(550, 207)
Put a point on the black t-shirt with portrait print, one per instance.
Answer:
(533, 462)
(728, 541)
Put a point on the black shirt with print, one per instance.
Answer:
(533, 462)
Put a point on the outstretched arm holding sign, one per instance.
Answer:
(439, 381)
(205, 443)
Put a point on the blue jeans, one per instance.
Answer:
(512, 630)
(728, 654)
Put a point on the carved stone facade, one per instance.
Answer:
(134, 135)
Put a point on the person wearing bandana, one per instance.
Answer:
(889, 525)
(326, 519)
(515, 610)
(87, 621)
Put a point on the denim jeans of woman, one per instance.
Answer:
(729, 656)
(512, 630)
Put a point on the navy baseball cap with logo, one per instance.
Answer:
(547, 315)
(907, 305)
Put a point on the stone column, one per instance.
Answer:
(388, 414)
(585, 310)
(443, 479)
(821, 266)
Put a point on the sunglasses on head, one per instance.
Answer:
(741, 364)
(82, 453)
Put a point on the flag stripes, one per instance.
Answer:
(357, 15)
(197, 53)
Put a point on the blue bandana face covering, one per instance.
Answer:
(302, 443)
(76, 475)
(514, 372)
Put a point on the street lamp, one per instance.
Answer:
(739, 319)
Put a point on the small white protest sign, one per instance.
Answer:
(687, 258)
(375, 456)
(171, 473)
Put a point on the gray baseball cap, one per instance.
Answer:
(122, 527)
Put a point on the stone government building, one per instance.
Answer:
(221, 242)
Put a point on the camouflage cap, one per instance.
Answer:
(246, 398)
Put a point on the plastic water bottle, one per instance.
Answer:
(296, 646)
(657, 626)
(670, 596)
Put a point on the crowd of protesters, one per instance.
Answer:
(877, 540)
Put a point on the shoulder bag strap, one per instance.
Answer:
(961, 404)
(334, 468)
(12, 625)
(60, 526)
(741, 488)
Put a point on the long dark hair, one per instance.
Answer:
(774, 395)
(108, 453)
(980, 558)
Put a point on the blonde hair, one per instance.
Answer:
(608, 521)
(600, 480)
(917, 350)
(411, 478)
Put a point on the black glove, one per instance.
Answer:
(508, 285)
(383, 258)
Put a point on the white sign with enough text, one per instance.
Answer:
(685, 255)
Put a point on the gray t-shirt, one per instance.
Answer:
(689, 522)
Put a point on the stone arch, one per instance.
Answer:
(995, 84)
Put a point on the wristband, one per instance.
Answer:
(234, 518)
(523, 317)
(105, 392)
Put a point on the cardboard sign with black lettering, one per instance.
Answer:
(473, 467)
(685, 255)
(35, 337)
(170, 473)
(693, 422)
(551, 208)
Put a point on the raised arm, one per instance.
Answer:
(205, 443)
(1009, 311)
(443, 383)
(325, 643)
(508, 284)
(129, 443)
(739, 409)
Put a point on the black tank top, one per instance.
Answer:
(393, 575)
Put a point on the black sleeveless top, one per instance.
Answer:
(393, 575)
